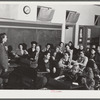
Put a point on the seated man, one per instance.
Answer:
(68, 77)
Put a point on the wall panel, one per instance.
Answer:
(20, 32)
(48, 36)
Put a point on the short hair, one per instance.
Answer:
(2, 35)
(66, 45)
(45, 53)
(93, 49)
(33, 42)
(71, 42)
(60, 43)
(56, 47)
(20, 44)
(67, 53)
(72, 45)
(10, 48)
(48, 44)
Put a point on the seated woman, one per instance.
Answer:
(39, 53)
(11, 54)
(67, 49)
(32, 50)
(21, 51)
(71, 45)
(47, 48)
(90, 53)
(92, 64)
(82, 61)
(37, 58)
(87, 52)
(69, 76)
(88, 81)
(96, 72)
(44, 63)
(61, 47)
(64, 62)
(57, 55)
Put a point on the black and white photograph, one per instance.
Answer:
(50, 46)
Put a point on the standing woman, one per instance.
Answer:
(3, 54)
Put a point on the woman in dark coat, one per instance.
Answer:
(3, 54)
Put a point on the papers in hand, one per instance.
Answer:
(75, 83)
(59, 77)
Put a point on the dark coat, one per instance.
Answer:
(41, 65)
(3, 58)
(31, 53)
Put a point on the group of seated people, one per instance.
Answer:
(64, 65)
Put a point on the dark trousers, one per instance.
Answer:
(58, 84)
(40, 82)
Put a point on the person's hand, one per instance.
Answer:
(48, 70)
(70, 66)
(57, 78)
(9, 60)
(26, 53)
(6, 70)
(54, 70)
(98, 76)
(53, 57)
(31, 58)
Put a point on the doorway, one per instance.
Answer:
(70, 34)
